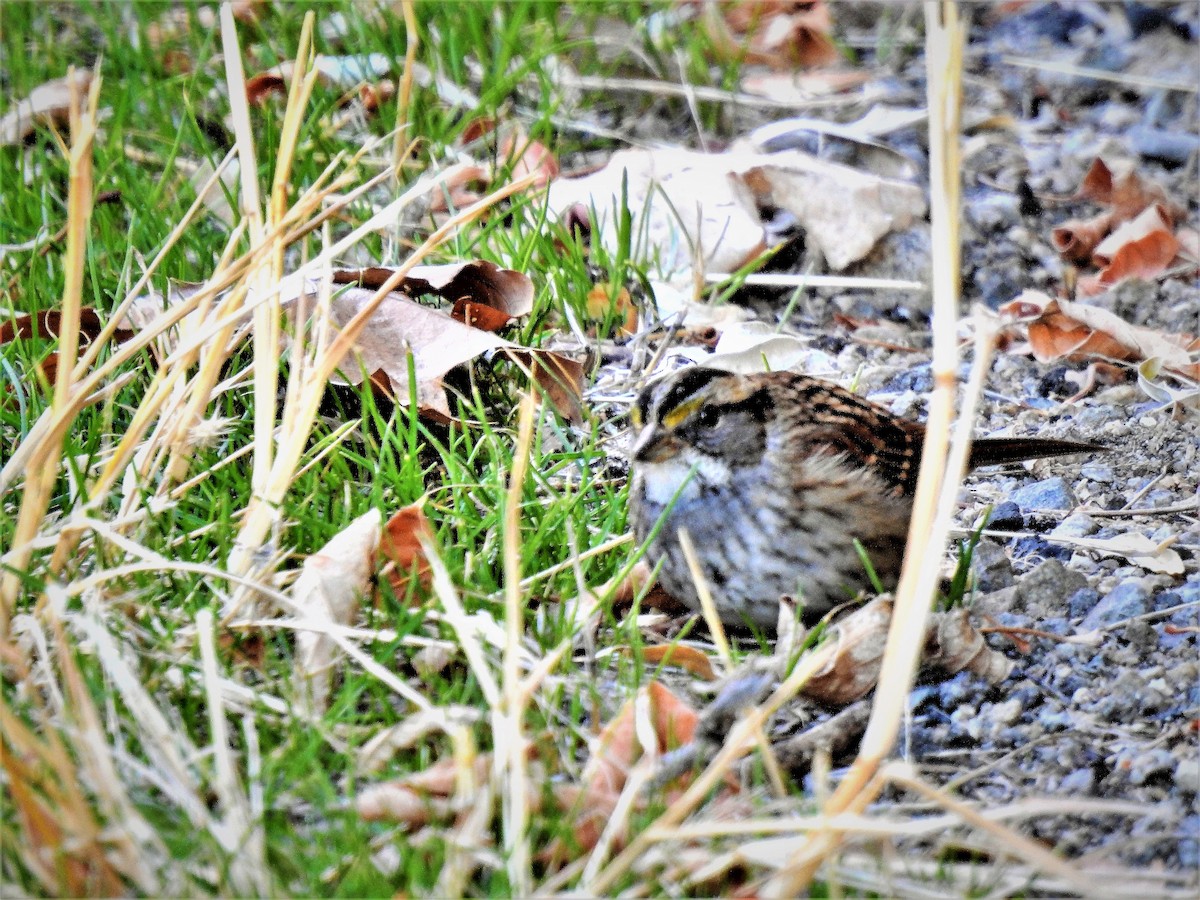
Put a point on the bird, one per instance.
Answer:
(774, 476)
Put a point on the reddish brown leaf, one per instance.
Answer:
(1075, 239)
(1075, 331)
(682, 655)
(781, 35)
(478, 315)
(1125, 191)
(47, 324)
(400, 545)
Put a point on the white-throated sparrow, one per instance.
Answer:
(774, 476)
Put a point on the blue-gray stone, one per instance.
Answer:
(1052, 493)
(1080, 603)
(1129, 598)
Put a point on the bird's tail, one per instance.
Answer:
(994, 451)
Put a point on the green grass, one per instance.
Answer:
(157, 117)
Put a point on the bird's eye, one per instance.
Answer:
(708, 417)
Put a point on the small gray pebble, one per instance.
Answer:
(1141, 636)
(1097, 472)
(1187, 772)
(1052, 493)
(1080, 603)
(1074, 525)
(1045, 590)
(1152, 762)
(991, 567)
(1129, 598)
(1081, 781)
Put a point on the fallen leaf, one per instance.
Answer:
(332, 71)
(436, 340)
(1148, 374)
(616, 750)
(48, 102)
(747, 347)
(1075, 239)
(1125, 191)
(328, 590)
(1138, 549)
(400, 545)
(47, 323)
(682, 655)
(780, 35)
(1141, 248)
(601, 306)
(1064, 329)
(702, 210)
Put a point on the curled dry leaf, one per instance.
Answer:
(1127, 196)
(437, 340)
(616, 750)
(682, 655)
(780, 35)
(952, 644)
(328, 591)
(48, 102)
(332, 71)
(1141, 248)
(853, 667)
(400, 545)
(1063, 329)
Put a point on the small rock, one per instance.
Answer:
(1129, 598)
(1052, 493)
(1152, 762)
(1097, 472)
(1075, 525)
(1006, 517)
(1081, 781)
(1141, 636)
(1080, 603)
(991, 567)
(1187, 772)
(1044, 591)
(994, 211)
(1008, 712)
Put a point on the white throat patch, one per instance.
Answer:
(663, 479)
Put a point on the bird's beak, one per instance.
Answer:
(653, 445)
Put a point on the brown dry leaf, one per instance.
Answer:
(601, 305)
(1127, 196)
(853, 670)
(481, 282)
(617, 749)
(1075, 239)
(47, 323)
(1075, 331)
(693, 209)
(329, 588)
(952, 644)
(682, 655)
(344, 72)
(48, 102)
(400, 545)
(529, 157)
(1125, 191)
(777, 33)
(1141, 248)
(421, 797)
(437, 341)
